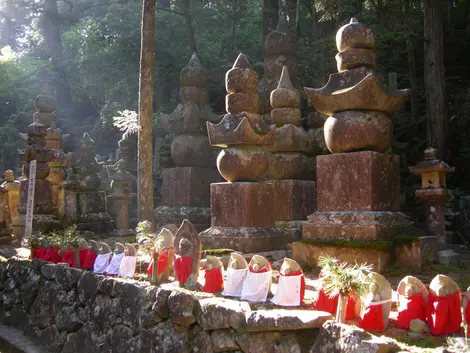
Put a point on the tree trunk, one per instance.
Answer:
(8, 35)
(434, 79)
(189, 26)
(270, 16)
(410, 46)
(145, 141)
(53, 41)
(341, 310)
(234, 26)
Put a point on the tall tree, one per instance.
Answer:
(434, 78)
(410, 47)
(145, 146)
(270, 16)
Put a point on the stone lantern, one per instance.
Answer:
(433, 192)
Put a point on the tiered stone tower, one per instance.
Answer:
(84, 203)
(43, 204)
(279, 50)
(358, 186)
(186, 188)
(241, 209)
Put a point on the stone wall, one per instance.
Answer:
(70, 310)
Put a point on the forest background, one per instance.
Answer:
(87, 52)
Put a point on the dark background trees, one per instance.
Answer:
(87, 51)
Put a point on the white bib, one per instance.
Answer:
(256, 286)
(127, 268)
(101, 263)
(113, 267)
(234, 282)
(288, 291)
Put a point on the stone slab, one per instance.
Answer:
(91, 202)
(408, 255)
(358, 181)
(355, 225)
(293, 199)
(308, 254)
(291, 229)
(284, 319)
(200, 217)
(221, 313)
(188, 186)
(447, 257)
(247, 240)
(428, 249)
(242, 205)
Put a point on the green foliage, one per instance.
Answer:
(217, 252)
(404, 240)
(63, 239)
(343, 279)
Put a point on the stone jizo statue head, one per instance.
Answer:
(185, 247)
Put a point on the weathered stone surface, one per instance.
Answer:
(267, 342)
(131, 297)
(87, 287)
(200, 217)
(282, 116)
(67, 276)
(273, 65)
(188, 186)
(224, 340)
(193, 74)
(308, 254)
(291, 138)
(281, 40)
(202, 341)
(284, 319)
(163, 338)
(182, 307)
(429, 247)
(341, 338)
(45, 103)
(241, 102)
(49, 301)
(355, 35)
(298, 199)
(187, 118)
(289, 165)
(355, 57)
(193, 94)
(359, 181)
(408, 255)
(356, 225)
(243, 163)
(350, 131)
(67, 320)
(241, 80)
(285, 95)
(220, 313)
(193, 149)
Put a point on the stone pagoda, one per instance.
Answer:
(186, 188)
(358, 185)
(44, 208)
(280, 50)
(82, 198)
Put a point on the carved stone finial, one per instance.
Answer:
(242, 62)
(430, 154)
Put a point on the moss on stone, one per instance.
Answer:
(377, 245)
(404, 240)
(217, 252)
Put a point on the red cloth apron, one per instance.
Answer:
(302, 282)
(89, 260)
(372, 318)
(466, 313)
(162, 261)
(350, 308)
(69, 257)
(263, 270)
(444, 314)
(326, 303)
(183, 266)
(41, 253)
(214, 281)
(410, 308)
(52, 255)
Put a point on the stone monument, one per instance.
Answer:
(358, 185)
(12, 188)
(43, 208)
(83, 201)
(186, 188)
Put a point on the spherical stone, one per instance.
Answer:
(243, 163)
(417, 326)
(193, 150)
(282, 116)
(45, 103)
(285, 98)
(241, 102)
(355, 35)
(193, 94)
(241, 80)
(352, 58)
(289, 165)
(273, 65)
(350, 131)
(36, 129)
(44, 118)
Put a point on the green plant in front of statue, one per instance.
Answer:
(339, 278)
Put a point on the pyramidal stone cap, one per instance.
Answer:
(241, 78)
(285, 95)
(193, 74)
(355, 35)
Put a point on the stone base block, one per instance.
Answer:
(293, 199)
(417, 253)
(447, 257)
(358, 181)
(43, 223)
(97, 227)
(247, 240)
(380, 259)
(200, 217)
(42, 197)
(357, 226)
(188, 186)
(292, 230)
(247, 205)
(91, 202)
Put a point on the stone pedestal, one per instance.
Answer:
(186, 195)
(92, 212)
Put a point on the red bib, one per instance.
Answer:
(350, 308)
(263, 270)
(162, 261)
(444, 314)
(466, 313)
(182, 266)
(69, 257)
(372, 318)
(52, 255)
(410, 308)
(214, 281)
(326, 303)
(89, 260)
